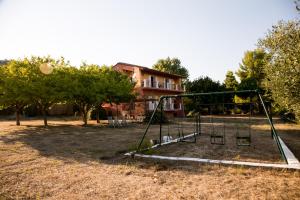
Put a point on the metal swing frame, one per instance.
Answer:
(284, 151)
(180, 128)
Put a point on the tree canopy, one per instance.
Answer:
(172, 66)
(230, 82)
(252, 66)
(22, 83)
(202, 85)
(14, 81)
(46, 89)
(91, 85)
(282, 73)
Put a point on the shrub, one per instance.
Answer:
(102, 114)
(156, 118)
(31, 111)
(145, 146)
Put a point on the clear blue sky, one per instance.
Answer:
(209, 37)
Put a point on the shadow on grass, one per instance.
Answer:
(101, 144)
(71, 142)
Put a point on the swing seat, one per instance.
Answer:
(190, 140)
(243, 140)
(217, 139)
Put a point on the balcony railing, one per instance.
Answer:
(151, 105)
(156, 84)
(169, 106)
(150, 84)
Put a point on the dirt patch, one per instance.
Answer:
(68, 161)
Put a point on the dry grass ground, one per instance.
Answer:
(262, 147)
(68, 161)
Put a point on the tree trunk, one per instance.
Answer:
(84, 108)
(18, 117)
(97, 115)
(44, 112)
(84, 111)
(85, 117)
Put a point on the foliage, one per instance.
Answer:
(230, 82)
(248, 84)
(31, 110)
(119, 86)
(14, 81)
(100, 112)
(46, 89)
(145, 147)
(91, 85)
(203, 85)
(22, 84)
(86, 88)
(253, 65)
(172, 66)
(282, 43)
(156, 118)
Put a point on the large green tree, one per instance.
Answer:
(172, 66)
(230, 82)
(86, 88)
(92, 85)
(202, 85)
(23, 83)
(47, 89)
(282, 73)
(253, 65)
(14, 82)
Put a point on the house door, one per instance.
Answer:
(167, 83)
(152, 81)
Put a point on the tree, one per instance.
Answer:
(46, 89)
(14, 81)
(282, 43)
(248, 84)
(172, 66)
(118, 89)
(92, 85)
(252, 66)
(203, 85)
(23, 84)
(86, 88)
(230, 82)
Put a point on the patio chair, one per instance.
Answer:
(117, 122)
(111, 122)
(124, 122)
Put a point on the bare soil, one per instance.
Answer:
(69, 161)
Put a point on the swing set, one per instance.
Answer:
(213, 115)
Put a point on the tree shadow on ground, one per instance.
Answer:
(77, 142)
(101, 144)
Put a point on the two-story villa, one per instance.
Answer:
(150, 85)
